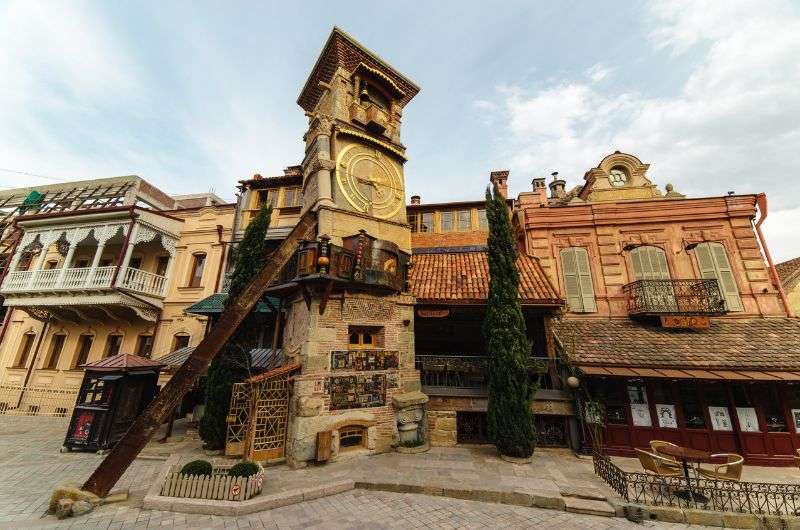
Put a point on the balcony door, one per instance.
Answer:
(650, 263)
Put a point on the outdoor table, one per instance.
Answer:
(686, 455)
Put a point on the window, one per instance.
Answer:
(464, 220)
(267, 197)
(144, 345)
(693, 415)
(25, 347)
(291, 197)
(82, 263)
(427, 222)
(649, 263)
(483, 221)
(578, 280)
(363, 338)
(198, 264)
(56, 345)
(447, 221)
(113, 345)
(351, 437)
(50, 264)
(713, 263)
(105, 262)
(135, 263)
(161, 265)
(180, 340)
(413, 221)
(84, 347)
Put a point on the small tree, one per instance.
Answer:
(232, 363)
(511, 383)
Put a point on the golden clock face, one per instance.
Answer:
(369, 181)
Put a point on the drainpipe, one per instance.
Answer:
(33, 361)
(761, 201)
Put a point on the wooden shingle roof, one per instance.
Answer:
(460, 275)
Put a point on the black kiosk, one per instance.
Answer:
(114, 391)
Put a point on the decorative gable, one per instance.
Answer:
(620, 176)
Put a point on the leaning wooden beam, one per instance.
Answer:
(117, 461)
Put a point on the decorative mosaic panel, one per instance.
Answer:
(365, 309)
(364, 360)
(356, 391)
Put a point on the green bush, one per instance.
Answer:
(196, 467)
(244, 469)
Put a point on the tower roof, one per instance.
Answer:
(343, 50)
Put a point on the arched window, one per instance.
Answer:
(578, 280)
(713, 263)
(144, 345)
(54, 353)
(180, 340)
(649, 263)
(113, 344)
(85, 342)
(198, 265)
(25, 348)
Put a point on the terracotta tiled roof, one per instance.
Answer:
(788, 271)
(750, 344)
(122, 362)
(460, 275)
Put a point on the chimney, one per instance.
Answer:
(500, 179)
(257, 176)
(539, 191)
(557, 187)
(415, 199)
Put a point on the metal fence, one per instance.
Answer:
(674, 297)
(37, 401)
(758, 498)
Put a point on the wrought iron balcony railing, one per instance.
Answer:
(675, 297)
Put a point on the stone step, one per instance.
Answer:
(589, 507)
(592, 494)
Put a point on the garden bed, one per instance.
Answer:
(216, 486)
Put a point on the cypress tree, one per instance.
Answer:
(511, 383)
(232, 364)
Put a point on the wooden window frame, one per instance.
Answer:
(413, 222)
(194, 279)
(428, 227)
(296, 195)
(361, 332)
(180, 334)
(141, 341)
(57, 340)
(79, 358)
(24, 350)
(452, 215)
(483, 220)
(459, 227)
(108, 345)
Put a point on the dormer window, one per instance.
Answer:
(618, 176)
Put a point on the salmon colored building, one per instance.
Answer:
(676, 322)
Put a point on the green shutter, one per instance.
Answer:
(713, 262)
(572, 286)
(638, 268)
(649, 263)
(585, 273)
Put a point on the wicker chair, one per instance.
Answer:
(730, 470)
(797, 458)
(655, 445)
(657, 465)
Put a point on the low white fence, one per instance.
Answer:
(217, 486)
(37, 401)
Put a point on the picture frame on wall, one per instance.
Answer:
(640, 413)
(666, 416)
(720, 418)
(748, 419)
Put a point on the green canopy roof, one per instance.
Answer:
(214, 304)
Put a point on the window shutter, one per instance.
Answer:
(660, 267)
(585, 273)
(649, 263)
(636, 259)
(572, 285)
(713, 262)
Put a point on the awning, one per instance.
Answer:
(260, 358)
(726, 375)
(215, 303)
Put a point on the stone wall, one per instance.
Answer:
(442, 430)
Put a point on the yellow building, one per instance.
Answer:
(789, 272)
(98, 268)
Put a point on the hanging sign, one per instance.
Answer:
(748, 420)
(685, 322)
(720, 418)
(433, 313)
(666, 416)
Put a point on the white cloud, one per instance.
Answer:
(599, 72)
(734, 124)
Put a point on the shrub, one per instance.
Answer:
(244, 469)
(196, 467)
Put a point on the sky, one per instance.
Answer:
(193, 96)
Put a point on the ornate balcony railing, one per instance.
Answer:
(675, 297)
(448, 372)
(361, 260)
(83, 279)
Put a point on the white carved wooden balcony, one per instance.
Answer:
(84, 279)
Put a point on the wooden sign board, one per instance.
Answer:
(433, 313)
(685, 322)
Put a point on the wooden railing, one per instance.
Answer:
(37, 401)
(83, 278)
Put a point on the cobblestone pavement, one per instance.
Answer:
(30, 467)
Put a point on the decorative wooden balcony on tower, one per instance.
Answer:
(675, 297)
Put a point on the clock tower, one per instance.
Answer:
(350, 315)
